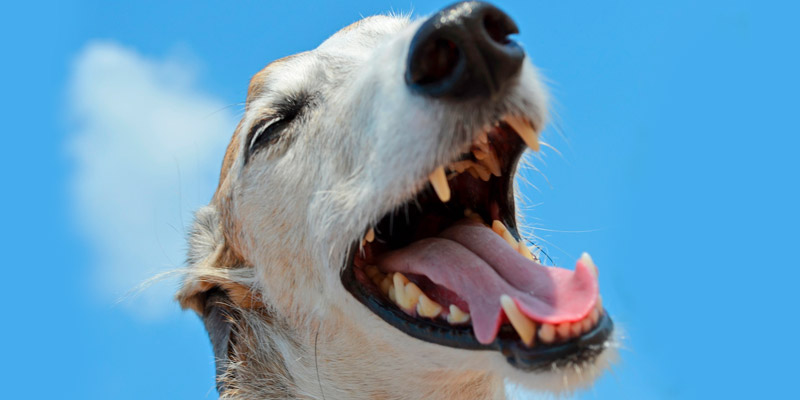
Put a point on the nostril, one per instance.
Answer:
(497, 28)
(435, 61)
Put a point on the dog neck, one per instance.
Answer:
(262, 356)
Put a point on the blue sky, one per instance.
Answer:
(678, 172)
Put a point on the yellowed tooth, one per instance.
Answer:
(575, 329)
(439, 182)
(482, 172)
(386, 285)
(479, 154)
(473, 172)
(473, 215)
(594, 316)
(392, 293)
(525, 130)
(493, 163)
(399, 281)
(563, 330)
(586, 324)
(525, 251)
(371, 271)
(378, 279)
(522, 324)
(428, 308)
(460, 166)
(412, 295)
(500, 229)
(547, 333)
(457, 316)
(370, 236)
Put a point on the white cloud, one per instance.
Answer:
(147, 146)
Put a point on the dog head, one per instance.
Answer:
(368, 193)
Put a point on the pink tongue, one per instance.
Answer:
(478, 265)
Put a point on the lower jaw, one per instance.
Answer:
(541, 357)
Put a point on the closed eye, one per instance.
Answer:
(268, 130)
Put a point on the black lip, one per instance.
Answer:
(538, 358)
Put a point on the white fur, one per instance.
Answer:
(365, 146)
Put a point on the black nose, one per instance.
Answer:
(464, 52)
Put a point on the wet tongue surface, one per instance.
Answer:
(480, 266)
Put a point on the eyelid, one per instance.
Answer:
(265, 124)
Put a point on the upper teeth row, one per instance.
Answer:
(488, 163)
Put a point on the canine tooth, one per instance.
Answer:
(500, 229)
(524, 326)
(547, 333)
(588, 262)
(525, 251)
(457, 316)
(427, 307)
(525, 130)
(563, 330)
(439, 182)
(370, 236)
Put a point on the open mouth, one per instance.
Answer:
(450, 266)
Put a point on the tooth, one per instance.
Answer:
(472, 215)
(412, 295)
(563, 330)
(586, 324)
(479, 153)
(371, 270)
(525, 251)
(439, 182)
(386, 285)
(392, 294)
(370, 236)
(525, 130)
(524, 326)
(500, 229)
(492, 163)
(457, 316)
(427, 307)
(594, 316)
(482, 172)
(460, 166)
(473, 172)
(575, 329)
(399, 288)
(586, 259)
(547, 333)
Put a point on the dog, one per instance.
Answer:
(363, 243)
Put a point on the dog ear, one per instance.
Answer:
(213, 263)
